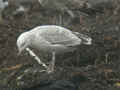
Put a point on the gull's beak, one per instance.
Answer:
(20, 50)
(18, 54)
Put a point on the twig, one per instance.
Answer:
(106, 58)
(12, 67)
(36, 57)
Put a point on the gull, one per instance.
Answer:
(50, 38)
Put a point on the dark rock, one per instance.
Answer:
(54, 85)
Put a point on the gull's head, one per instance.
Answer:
(22, 42)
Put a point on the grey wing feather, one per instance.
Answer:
(62, 39)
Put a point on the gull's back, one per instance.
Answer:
(56, 34)
(51, 37)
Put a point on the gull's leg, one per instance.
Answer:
(36, 57)
(52, 63)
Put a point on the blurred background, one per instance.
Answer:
(96, 66)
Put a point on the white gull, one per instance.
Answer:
(50, 38)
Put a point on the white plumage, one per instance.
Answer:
(51, 38)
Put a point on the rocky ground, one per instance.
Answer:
(97, 66)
